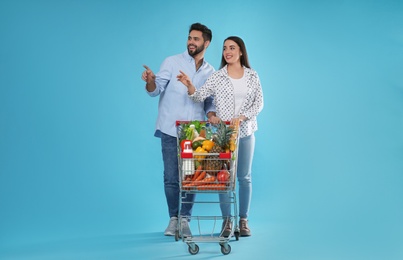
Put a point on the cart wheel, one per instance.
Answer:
(176, 235)
(195, 250)
(225, 249)
(236, 233)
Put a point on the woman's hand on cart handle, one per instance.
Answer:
(242, 118)
(214, 119)
(237, 120)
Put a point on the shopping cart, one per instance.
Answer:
(205, 171)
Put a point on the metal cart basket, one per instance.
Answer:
(205, 171)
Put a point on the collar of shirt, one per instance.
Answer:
(191, 59)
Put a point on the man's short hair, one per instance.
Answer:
(207, 34)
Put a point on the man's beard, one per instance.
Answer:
(197, 51)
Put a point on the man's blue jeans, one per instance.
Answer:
(171, 178)
(244, 170)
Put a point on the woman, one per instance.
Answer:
(237, 96)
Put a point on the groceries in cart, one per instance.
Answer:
(206, 151)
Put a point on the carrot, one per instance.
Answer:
(204, 187)
(197, 173)
(208, 179)
(185, 186)
(190, 184)
(199, 169)
(221, 186)
(187, 179)
(201, 187)
(201, 176)
(215, 186)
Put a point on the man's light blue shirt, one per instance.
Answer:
(174, 103)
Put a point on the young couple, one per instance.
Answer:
(190, 89)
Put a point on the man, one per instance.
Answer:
(174, 104)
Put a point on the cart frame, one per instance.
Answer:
(229, 161)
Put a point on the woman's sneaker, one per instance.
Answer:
(245, 231)
(172, 227)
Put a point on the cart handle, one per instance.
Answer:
(178, 122)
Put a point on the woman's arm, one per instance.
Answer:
(255, 105)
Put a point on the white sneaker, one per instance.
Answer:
(172, 226)
(185, 228)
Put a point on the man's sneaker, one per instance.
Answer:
(226, 228)
(172, 227)
(185, 228)
(243, 224)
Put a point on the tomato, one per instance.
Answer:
(223, 176)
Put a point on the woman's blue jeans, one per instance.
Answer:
(171, 178)
(246, 149)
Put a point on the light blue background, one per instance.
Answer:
(80, 170)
